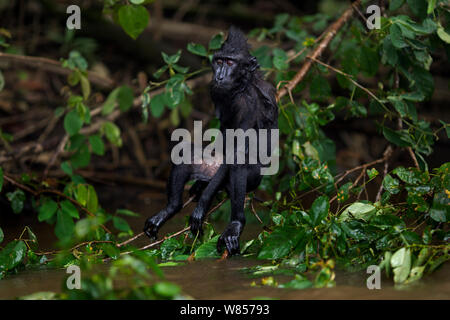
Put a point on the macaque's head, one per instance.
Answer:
(233, 64)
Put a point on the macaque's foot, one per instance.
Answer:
(152, 226)
(196, 221)
(230, 238)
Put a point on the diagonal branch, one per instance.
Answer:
(329, 35)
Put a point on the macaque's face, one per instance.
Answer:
(227, 70)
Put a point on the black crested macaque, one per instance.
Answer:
(243, 100)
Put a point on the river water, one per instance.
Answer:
(213, 279)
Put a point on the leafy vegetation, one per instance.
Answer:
(403, 229)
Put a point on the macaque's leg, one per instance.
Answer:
(237, 190)
(198, 215)
(197, 189)
(179, 175)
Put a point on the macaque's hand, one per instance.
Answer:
(230, 238)
(196, 221)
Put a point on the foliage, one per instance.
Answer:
(405, 231)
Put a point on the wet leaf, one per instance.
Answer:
(72, 123)
(208, 249)
(401, 262)
(64, 225)
(12, 255)
(133, 19)
(47, 210)
(319, 210)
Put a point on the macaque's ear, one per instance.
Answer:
(252, 64)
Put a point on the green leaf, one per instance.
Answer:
(396, 137)
(280, 242)
(47, 210)
(67, 168)
(126, 212)
(389, 52)
(280, 59)
(391, 184)
(160, 71)
(166, 289)
(12, 255)
(431, 6)
(64, 225)
(69, 208)
(81, 158)
(125, 98)
(401, 262)
(121, 224)
(440, 32)
(112, 132)
(17, 199)
(171, 60)
(85, 87)
(319, 210)
(319, 88)
(369, 61)
(41, 295)
(358, 210)
(92, 200)
(197, 49)
(216, 42)
(440, 210)
(411, 176)
(397, 36)
(72, 123)
(97, 145)
(110, 103)
(81, 194)
(174, 117)
(168, 247)
(423, 80)
(76, 60)
(2, 235)
(208, 249)
(157, 105)
(300, 282)
(112, 251)
(372, 173)
(133, 19)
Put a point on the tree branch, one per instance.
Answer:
(53, 66)
(329, 35)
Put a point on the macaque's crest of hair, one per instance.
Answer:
(236, 42)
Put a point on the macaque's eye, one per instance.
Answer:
(219, 61)
(230, 62)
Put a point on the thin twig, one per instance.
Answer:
(59, 193)
(153, 244)
(53, 66)
(142, 233)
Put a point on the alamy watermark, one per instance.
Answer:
(241, 147)
(374, 281)
(74, 20)
(373, 21)
(74, 280)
